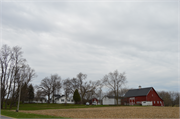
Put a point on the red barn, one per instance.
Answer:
(137, 96)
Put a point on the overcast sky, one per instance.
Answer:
(95, 38)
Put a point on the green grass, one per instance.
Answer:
(52, 106)
(12, 113)
(24, 115)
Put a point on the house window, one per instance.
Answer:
(62, 100)
(72, 100)
(154, 102)
(68, 100)
(157, 102)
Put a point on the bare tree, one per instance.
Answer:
(122, 91)
(49, 85)
(19, 68)
(39, 95)
(176, 99)
(170, 98)
(45, 87)
(6, 65)
(99, 94)
(114, 82)
(67, 88)
(88, 96)
(74, 84)
(24, 75)
(166, 97)
(56, 84)
(12, 67)
(85, 86)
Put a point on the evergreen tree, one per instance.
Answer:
(31, 92)
(24, 92)
(76, 96)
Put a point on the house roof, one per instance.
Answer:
(138, 92)
(58, 96)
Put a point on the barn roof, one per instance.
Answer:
(138, 92)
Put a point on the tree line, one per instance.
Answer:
(16, 75)
(51, 85)
(170, 98)
(15, 72)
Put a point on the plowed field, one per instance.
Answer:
(113, 112)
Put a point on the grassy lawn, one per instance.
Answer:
(12, 113)
(24, 115)
(53, 106)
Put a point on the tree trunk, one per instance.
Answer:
(2, 103)
(2, 98)
(6, 103)
(53, 98)
(48, 98)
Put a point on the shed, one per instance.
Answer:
(93, 100)
(110, 100)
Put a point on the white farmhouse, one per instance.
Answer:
(60, 99)
(110, 100)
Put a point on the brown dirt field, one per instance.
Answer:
(113, 112)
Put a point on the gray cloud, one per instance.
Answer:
(96, 38)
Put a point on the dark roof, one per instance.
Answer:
(58, 96)
(138, 92)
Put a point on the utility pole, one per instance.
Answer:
(21, 81)
(19, 96)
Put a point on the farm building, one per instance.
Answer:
(60, 99)
(110, 100)
(144, 96)
(95, 100)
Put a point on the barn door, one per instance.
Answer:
(131, 101)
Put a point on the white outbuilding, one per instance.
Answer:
(110, 100)
(147, 103)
